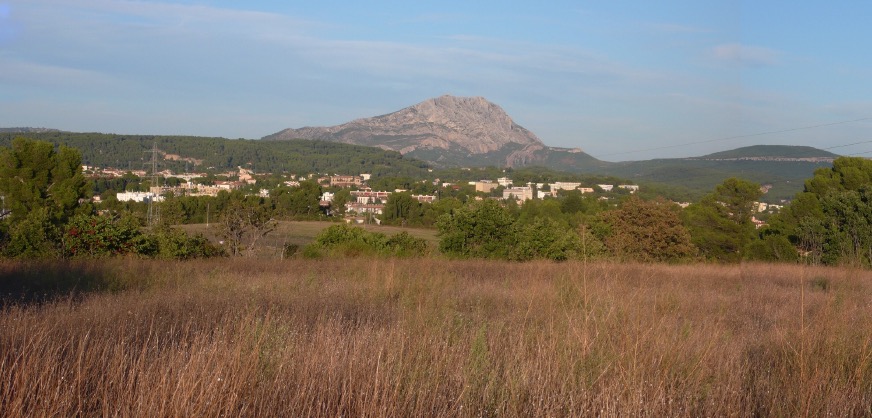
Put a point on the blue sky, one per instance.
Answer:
(622, 80)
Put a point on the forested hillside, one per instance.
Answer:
(296, 156)
(772, 151)
(784, 178)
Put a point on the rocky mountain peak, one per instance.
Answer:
(472, 125)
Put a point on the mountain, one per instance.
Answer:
(773, 153)
(449, 131)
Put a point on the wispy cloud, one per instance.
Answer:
(31, 73)
(735, 54)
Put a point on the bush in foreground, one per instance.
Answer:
(352, 241)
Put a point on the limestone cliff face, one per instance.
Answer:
(471, 125)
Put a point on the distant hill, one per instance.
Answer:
(27, 130)
(779, 152)
(449, 131)
(784, 171)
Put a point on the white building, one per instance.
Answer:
(606, 187)
(138, 197)
(561, 185)
(504, 181)
(631, 187)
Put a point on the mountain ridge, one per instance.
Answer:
(772, 153)
(439, 128)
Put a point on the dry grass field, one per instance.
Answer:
(436, 338)
(301, 233)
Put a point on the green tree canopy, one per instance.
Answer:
(41, 189)
(831, 221)
(33, 175)
(481, 229)
(720, 225)
(298, 202)
(402, 208)
(847, 173)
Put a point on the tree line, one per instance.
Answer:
(46, 213)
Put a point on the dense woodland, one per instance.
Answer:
(48, 214)
(133, 152)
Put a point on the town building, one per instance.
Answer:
(560, 185)
(138, 197)
(367, 196)
(520, 193)
(346, 181)
(485, 186)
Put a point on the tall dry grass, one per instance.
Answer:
(434, 338)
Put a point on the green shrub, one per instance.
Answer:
(771, 248)
(405, 245)
(97, 236)
(175, 244)
(31, 237)
(352, 241)
(312, 252)
(547, 239)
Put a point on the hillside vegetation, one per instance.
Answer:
(355, 337)
(783, 151)
(686, 176)
(296, 156)
(785, 177)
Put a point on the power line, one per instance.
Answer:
(738, 137)
(847, 145)
(861, 153)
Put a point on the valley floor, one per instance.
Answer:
(428, 337)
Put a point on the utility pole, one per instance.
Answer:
(154, 211)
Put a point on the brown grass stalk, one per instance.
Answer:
(442, 338)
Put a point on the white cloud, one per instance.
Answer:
(745, 55)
